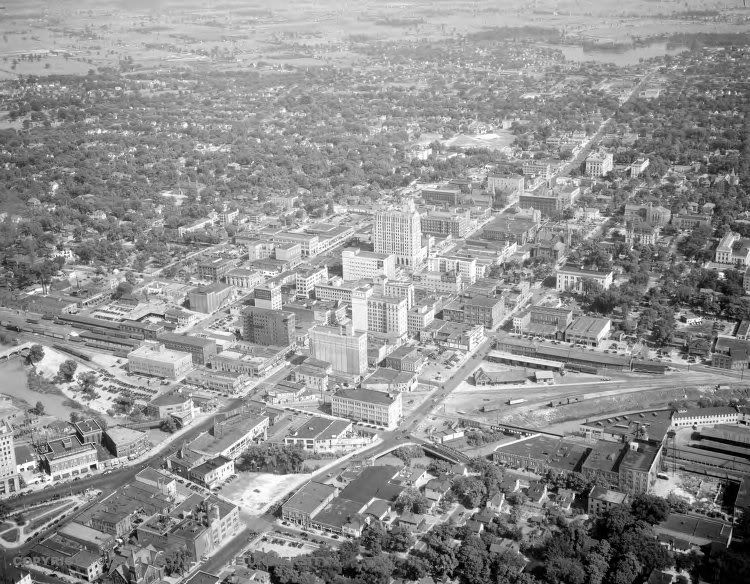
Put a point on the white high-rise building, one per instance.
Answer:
(399, 232)
(387, 314)
(367, 265)
(8, 474)
(345, 351)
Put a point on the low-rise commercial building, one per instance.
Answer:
(156, 360)
(319, 434)
(587, 330)
(368, 406)
(200, 348)
(68, 457)
(706, 417)
(125, 442)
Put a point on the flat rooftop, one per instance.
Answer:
(558, 453)
(319, 428)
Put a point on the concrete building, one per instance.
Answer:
(419, 318)
(506, 189)
(67, 457)
(444, 223)
(406, 358)
(439, 283)
(599, 163)
(199, 348)
(305, 280)
(8, 467)
(587, 330)
(465, 266)
(364, 405)
(319, 434)
(399, 232)
(268, 296)
(155, 359)
(231, 433)
(268, 327)
(208, 299)
(176, 405)
(125, 442)
(244, 278)
(366, 265)
(476, 310)
(441, 196)
(601, 500)
(310, 499)
(572, 279)
(214, 269)
(391, 381)
(345, 351)
(706, 417)
(397, 289)
(542, 454)
(387, 315)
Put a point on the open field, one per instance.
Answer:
(39, 38)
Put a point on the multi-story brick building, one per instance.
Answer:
(201, 349)
(268, 327)
(446, 223)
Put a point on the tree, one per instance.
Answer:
(469, 490)
(399, 539)
(36, 354)
(87, 381)
(67, 370)
(411, 500)
(626, 570)
(39, 408)
(650, 508)
(168, 425)
(373, 537)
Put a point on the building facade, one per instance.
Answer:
(399, 232)
(345, 351)
(364, 405)
(268, 327)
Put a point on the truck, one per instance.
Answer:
(518, 400)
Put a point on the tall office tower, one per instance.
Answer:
(345, 351)
(268, 296)
(399, 232)
(8, 475)
(359, 309)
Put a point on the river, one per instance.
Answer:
(620, 57)
(14, 384)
